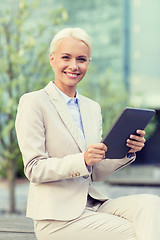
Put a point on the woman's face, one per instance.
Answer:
(69, 62)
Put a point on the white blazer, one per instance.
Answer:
(53, 154)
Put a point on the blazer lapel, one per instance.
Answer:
(85, 120)
(64, 113)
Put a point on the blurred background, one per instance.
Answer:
(124, 71)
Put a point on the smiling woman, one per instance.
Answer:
(59, 135)
(69, 61)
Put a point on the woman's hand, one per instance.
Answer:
(136, 143)
(94, 153)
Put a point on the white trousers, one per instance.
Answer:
(135, 217)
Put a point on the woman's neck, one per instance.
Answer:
(69, 91)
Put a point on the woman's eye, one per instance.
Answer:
(65, 57)
(82, 59)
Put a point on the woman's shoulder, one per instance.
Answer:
(34, 98)
(34, 95)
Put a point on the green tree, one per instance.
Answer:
(108, 92)
(24, 66)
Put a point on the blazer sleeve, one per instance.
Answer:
(39, 167)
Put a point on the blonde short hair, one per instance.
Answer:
(76, 33)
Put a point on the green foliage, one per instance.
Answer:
(107, 91)
(112, 96)
(24, 61)
(151, 127)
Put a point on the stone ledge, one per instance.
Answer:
(147, 175)
(16, 227)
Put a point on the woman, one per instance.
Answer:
(59, 133)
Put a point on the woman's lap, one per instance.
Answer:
(112, 220)
(127, 206)
(90, 225)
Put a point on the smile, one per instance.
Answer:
(72, 75)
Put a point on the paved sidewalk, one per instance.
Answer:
(21, 192)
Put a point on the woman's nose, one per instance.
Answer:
(73, 65)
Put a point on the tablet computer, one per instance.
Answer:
(130, 120)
